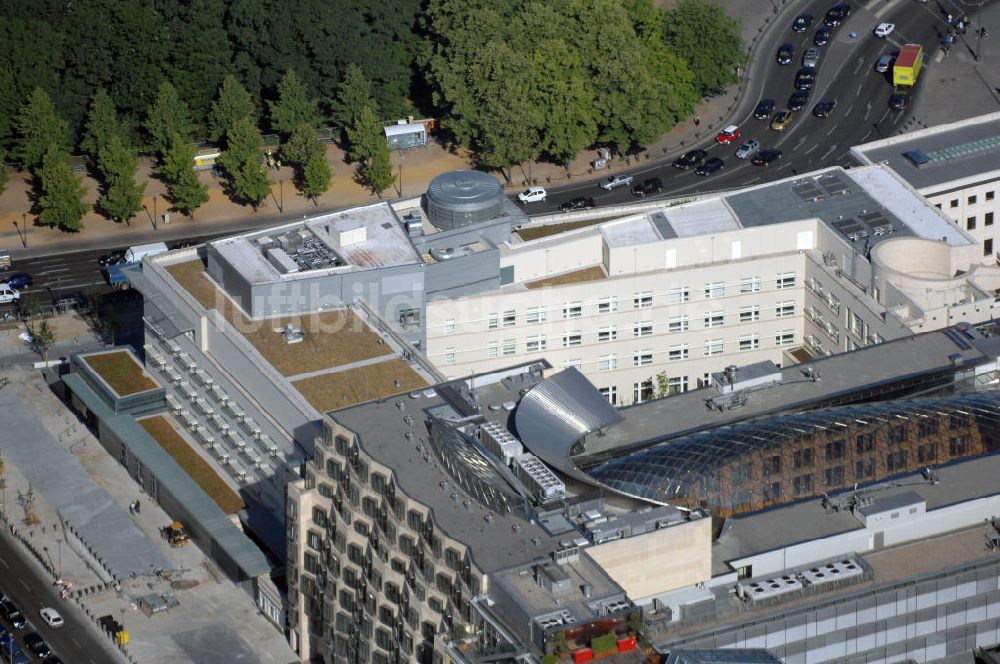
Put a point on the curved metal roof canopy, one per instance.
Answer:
(557, 413)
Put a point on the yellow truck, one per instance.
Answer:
(175, 534)
(908, 65)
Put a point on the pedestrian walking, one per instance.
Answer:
(697, 121)
(137, 506)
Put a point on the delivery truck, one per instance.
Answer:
(908, 65)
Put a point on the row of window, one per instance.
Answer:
(642, 300)
(642, 357)
(971, 200)
(648, 389)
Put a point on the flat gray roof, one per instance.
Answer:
(954, 142)
(661, 419)
(503, 540)
(891, 502)
(808, 520)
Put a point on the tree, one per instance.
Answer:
(364, 135)
(122, 197)
(4, 172)
(250, 184)
(711, 54)
(61, 202)
(196, 70)
(662, 385)
(43, 339)
(233, 104)
(167, 119)
(376, 172)
(242, 163)
(102, 124)
(301, 145)
(316, 176)
(39, 128)
(187, 193)
(293, 107)
(353, 94)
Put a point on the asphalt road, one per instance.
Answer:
(26, 586)
(846, 74)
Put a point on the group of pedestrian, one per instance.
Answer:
(272, 161)
(133, 507)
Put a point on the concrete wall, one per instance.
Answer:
(464, 274)
(681, 555)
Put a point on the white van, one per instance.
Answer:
(8, 294)
(138, 252)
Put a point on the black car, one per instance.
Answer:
(689, 159)
(36, 644)
(805, 78)
(650, 186)
(822, 37)
(578, 203)
(802, 22)
(798, 100)
(182, 244)
(765, 157)
(837, 14)
(52, 659)
(68, 301)
(824, 108)
(12, 614)
(112, 258)
(712, 165)
(764, 109)
(785, 54)
(898, 101)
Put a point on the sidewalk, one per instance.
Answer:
(415, 169)
(215, 621)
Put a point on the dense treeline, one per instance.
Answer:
(512, 80)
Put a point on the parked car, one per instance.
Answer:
(689, 159)
(183, 244)
(52, 659)
(822, 37)
(51, 617)
(532, 195)
(805, 78)
(798, 100)
(748, 149)
(616, 181)
(782, 120)
(883, 64)
(811, 57)
(19, 280)
(824, 108)
(785, 53)
(765, 157)
(68, 301)
(578, 203)
(112, 258)
(727, 135)
(884, 29)
(36, 644)
(650, 186)
(764, 109)
(711, 166)
(802, 22)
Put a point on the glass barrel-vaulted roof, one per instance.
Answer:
(682, 467)
(470, 469)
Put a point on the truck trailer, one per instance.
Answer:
(908, 65)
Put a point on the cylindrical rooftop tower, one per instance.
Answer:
(463, 198)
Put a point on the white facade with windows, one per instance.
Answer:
(734, 293)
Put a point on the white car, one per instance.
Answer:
(51, 616)
(8, 294)
(884, 29)
(616, 181)
(532, 195)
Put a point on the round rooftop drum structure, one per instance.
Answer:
(463, 198)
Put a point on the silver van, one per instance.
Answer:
(8, 294)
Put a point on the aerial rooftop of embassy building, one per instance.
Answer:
(446, 466)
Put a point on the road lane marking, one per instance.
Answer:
(849, 109)
(26, 586)
(751, 181)
(860, 86)
(831, 130)
(885, 8)
(75, 642)
(51, 270)
(828, 151)
(815, 145)
(4, 563)
(801, 141)
(868, 110)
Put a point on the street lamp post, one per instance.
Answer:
(59, 568)
(981, 34)
(281, 192)
(154, 212)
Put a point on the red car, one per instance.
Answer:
(728, 135)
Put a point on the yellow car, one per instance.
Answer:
(781, 120)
